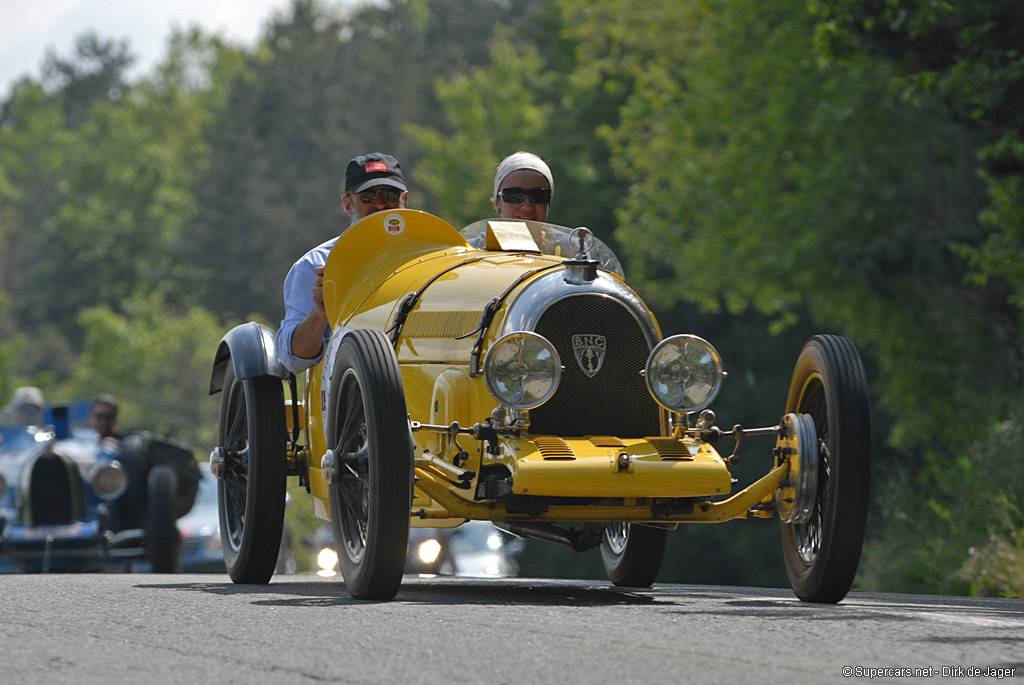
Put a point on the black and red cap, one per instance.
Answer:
(374, 169)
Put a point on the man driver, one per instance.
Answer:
(373, 183)
(103, 417)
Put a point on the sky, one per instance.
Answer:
(29, 28)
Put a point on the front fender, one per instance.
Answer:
(250, 349)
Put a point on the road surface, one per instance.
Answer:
(185, 629)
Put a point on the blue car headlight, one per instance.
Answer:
(109, 481)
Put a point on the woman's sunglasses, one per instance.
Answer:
(387, 195)
(517, 196)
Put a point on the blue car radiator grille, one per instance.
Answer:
(55, 493)
(602, 391)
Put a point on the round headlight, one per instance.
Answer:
(522, 370)
(109, 481)
(684, 373)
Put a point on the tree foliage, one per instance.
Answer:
(322, 88)
(155, 359)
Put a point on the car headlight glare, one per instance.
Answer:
(326, 560)
(684, 373)
(429, 551)
(522, 370)
(109, 481)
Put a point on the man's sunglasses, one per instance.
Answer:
(517, 196)
(386, 194)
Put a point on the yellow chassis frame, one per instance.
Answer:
(448, 503)
(633, 510)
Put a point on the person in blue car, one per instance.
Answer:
(103, 417)
(26, 407)
(373, 183)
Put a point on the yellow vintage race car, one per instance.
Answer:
(509, 373)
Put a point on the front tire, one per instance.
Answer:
(372, 491)
(632, 554)
(251, 493)
(829, 385)
(164, 540)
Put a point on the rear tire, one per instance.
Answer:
(829, 385)
(632, 554)
(251, 493)
(371, 495)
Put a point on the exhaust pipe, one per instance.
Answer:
(579, 540)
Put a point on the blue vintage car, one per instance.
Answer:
(72, 502)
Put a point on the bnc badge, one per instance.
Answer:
(589, 351)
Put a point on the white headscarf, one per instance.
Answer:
(519, 161)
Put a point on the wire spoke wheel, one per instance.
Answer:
(632, 554)
(822, 553)
(251, 494)
(372, 491)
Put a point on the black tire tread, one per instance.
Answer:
(163, 539)
(640, 561)
(831, 574)
(379, 575)
(257, 554)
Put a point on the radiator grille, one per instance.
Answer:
(55, 487)
(615, 400)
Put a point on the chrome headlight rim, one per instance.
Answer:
(710, 368)
(109, 481)
(519, 339)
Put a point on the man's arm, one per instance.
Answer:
(308, 337)
(300, 339)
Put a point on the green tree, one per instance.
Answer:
(98, 201)
(157, 360)
(10, 353)
(95, 73)
(492, 111)
(764, 181)
(323, 87)
(966, 59)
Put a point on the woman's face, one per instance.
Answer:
(529, 210)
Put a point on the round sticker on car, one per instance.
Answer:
(394, 224)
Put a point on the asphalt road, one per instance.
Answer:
(180, 630)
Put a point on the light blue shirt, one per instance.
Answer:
(298, 302)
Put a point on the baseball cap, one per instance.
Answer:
(519, 161)
(374, 169)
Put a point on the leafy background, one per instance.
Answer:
(766, 171)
